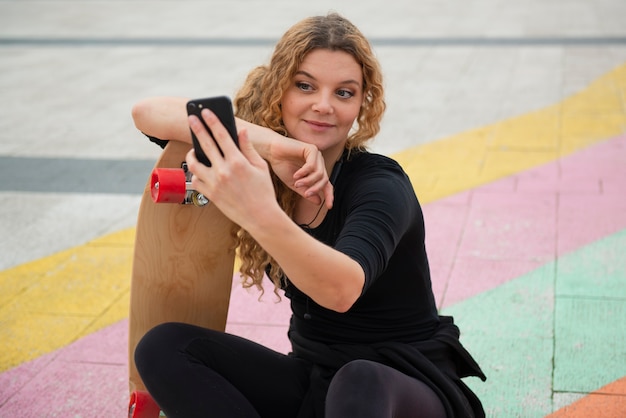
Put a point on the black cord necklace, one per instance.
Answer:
(319, 210)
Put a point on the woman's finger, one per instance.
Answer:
(329, 195)
(248, 150)
(200, 173)
(207, 143)
(220, 134)
(321, 191)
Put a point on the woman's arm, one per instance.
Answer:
(238, 182)
(299, 165)
(166, 118)
(329, 277)
(163, 117)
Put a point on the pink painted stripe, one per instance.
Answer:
(86, 378)
(89, 377)
(476, 240)
(485, 237)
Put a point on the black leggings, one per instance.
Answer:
(196, 372)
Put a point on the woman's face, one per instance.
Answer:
(323, 100)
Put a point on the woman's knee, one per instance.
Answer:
(354, 388)
(359, 371)
(156, 346)
(369, 389)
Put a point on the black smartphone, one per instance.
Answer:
(223, 109)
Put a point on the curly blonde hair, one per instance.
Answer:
(259, 101)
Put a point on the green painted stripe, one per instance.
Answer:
(564, 318)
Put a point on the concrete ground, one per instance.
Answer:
(510, 118)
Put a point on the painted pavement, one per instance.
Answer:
(526, 232)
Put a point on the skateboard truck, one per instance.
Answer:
(142, 405)
(173, 185)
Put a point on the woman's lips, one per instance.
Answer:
(319, 126)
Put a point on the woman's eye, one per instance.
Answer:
(345, 94)
(304, 86)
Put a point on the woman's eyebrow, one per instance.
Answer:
(349, 81)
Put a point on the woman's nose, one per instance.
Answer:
(323, 104)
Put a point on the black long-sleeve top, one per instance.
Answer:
(377, 220)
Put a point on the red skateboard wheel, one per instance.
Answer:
(168, 185)
(142, 406)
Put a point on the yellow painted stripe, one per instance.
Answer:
(49, 303)
(482, 155)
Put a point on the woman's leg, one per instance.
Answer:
(196, 372)
(366, 389)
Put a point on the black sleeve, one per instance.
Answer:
(382, 209)
(160, 142)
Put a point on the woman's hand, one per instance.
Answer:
(300, 166)
(238, 181)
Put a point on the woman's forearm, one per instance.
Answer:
(329, 277)
(260, 137)
(163, 118)
(166, 118)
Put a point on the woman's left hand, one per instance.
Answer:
(302, 168)
(238, 181)
(299, 165)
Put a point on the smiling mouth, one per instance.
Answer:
(319, 124)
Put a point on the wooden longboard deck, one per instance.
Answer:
(182, 266)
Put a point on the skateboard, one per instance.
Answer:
(143, 406)
(183, 261)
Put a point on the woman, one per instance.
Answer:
(347, 249)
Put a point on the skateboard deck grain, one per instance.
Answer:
(182, 266)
